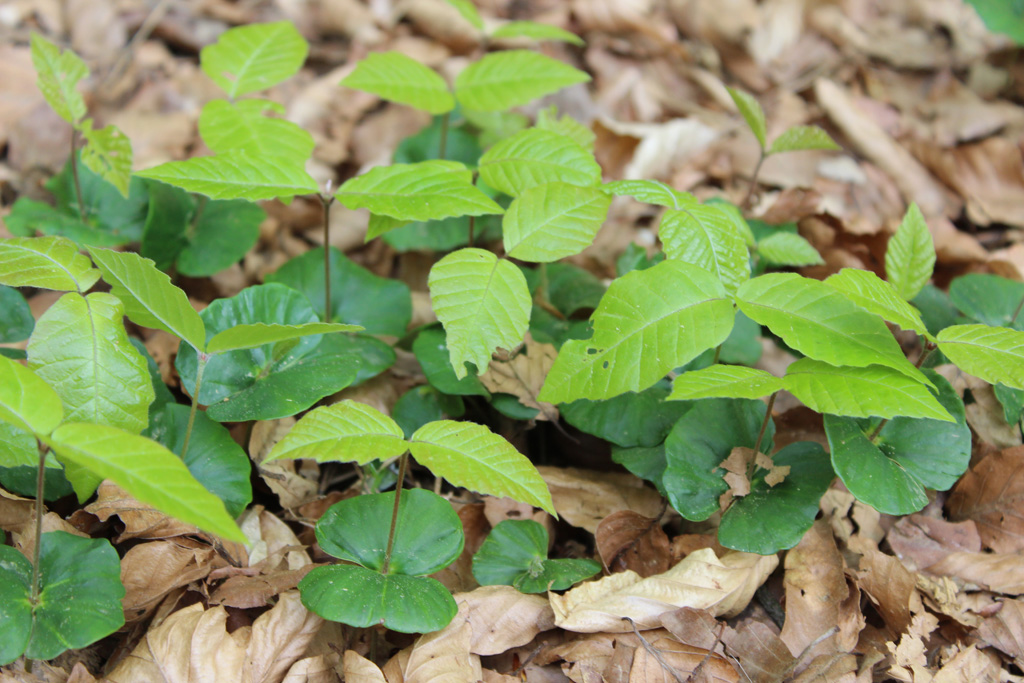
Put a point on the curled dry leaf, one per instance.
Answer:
(992, 494)
(359, 669)
(682, 660)
(997, 572)
(891, 588)
(140, 520)
(584, 497)
(444, 655)
(1005, 630)
(760, 650)
(149, 571)
(628, 540)
(501, 618)
(523, 376)
(702, 581)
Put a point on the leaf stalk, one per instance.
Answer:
(403, 465)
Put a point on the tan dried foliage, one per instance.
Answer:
(140, 520)
(524, 375)
(627, 540)
(815, 589)
(584, 497)
(1005, 630)
(150, 571)
(502, 618)
(359, 669)
(991, 493)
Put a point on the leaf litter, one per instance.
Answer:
(928, 110)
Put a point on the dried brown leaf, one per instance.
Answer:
(992, 494)
(815, 588)
(627, 540)
(584, 497)
(1005, 630)
(149, 571)
(666, 661)
(502, 618)
(140, 520)
(444, 655)
(359, 669)
(524, 375)
(891, 588)
(761, 652)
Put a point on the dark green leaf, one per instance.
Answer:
(635, 258)
(516, 554)
(989, 299)
(1012, 401)
(424, 404)
(16, 321)
(630, 419)
(431, 350)
(113, 219)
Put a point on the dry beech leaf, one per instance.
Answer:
(294, 484)
(736, 466)
(444, 655)
(702, 581)
(523, 376)
(194, 640)
(140, 520)
(502, 618)
(628, 540)
(359, 669)
(997, 572)
(315, 669)
(992, 494)
(815, 588)
(1005, 630)
(909, 656)
(921, 541)
(891, 588)
(149, 571)
(683, 660)
(584, 497)
(761, 652)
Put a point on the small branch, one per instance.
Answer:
(718, 354)
(326, 202)
(472, 220)
(74, 174)
(403, 465)
(1016, 312)
(753, 182)
(203, 359)
(760, 435)
(37, 551)
(441, 147)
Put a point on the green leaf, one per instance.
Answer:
(743, 345)
(469, 455)
(26, 401)
(58, 72)
(148, 296)
(632, 419)
(362, 598)
(425, 191)
(347, 431)
(552, 221)
(787, 249)
(548, 119)
(428, 534)
(676, 308)
(515, 553)
(371, 355)
(80, 348)
(250, 58)
(868, 473)
(910, 256)
(502, 80)
(937, 311)
(431, 350)
(251, 335)
(79, 600)
(237, 174)
(16, 321)
(802, 138)
(724, 381)
(651, 192)
(735, 216)
(698, 444)
(228, 126)
(536, 31)
(774, 518)
(468, 11)
(535, 157)
(381, 305)
(399, 78)
(877, 296)
(1002, 16)
(821, 323)
(569, 288)
(146, 470)
(45, 262)
(752, 113)
(989, 299)
(635, 258)
(424, 404)
(214, 458)
(220, 237)
(108, 154)
(483, 302)
(873, 391)
(704, 236)
(1012, 401)
(994, 354)
(496, 125)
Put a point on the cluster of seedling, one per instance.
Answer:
(90, 405)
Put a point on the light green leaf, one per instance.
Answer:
(250, 58)
(380, 225)
(536, 31)
(148, 296)
(146, 470)
(910, 256)
(648, 322)
(874, 391)
(236, 175)
(428, 190)
(249, 336)
(108, 155)
(347, 431)
(228, 126)
(994, 354)
(483, 302)
(45, 262)
(877, 296)
(733, 213)
(468, 11)
(399, 78)
(821, 323)
(788, 249)
(502, 80)
(26, 401)
(80, 348)
(704, 236)
(548, 119)
(651, 192)
(552, 221)
(724, 381)
(471, 456)
(535, 157)
(802, 138)
(58, 74)
(752, 113)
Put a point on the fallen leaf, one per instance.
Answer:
(815, 588)
(444, 655)
(761, 652)
(359, 669)
(998, 572)
(891, 588)
(149, 571)
(628, 540)
(675, 659)
(701, 581)
(992, 494)
(295, 482)
(523, 376)
(584, 497)
(502, 618)
(1005, 630)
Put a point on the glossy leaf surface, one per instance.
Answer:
(16, 320)
(552, 221)
(347, 431)
(46, 263)
(400, 78)
(251, 335)
(704, 236)
(787, 249)
(255, 57)
(58, 73)
(994, 354)
(750, 110)
(910, 255)
(877, 296)
(108, 154)
(431, 350)
(26, 401)
(724, 381)
(651, 192)
(228, 126)
(502, 80)
(515, 553)
(238, 174)
(802, 138)
(632, 419)
(536, 157)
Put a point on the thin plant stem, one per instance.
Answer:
(403, 465)
(74, 174)
(1016, 312)
(327, 201)
(753, 181)
(203, 360)
(760, 435)
(718, 354)
(441, 147)
(928, 348)
(37, 551)
(472, 220)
